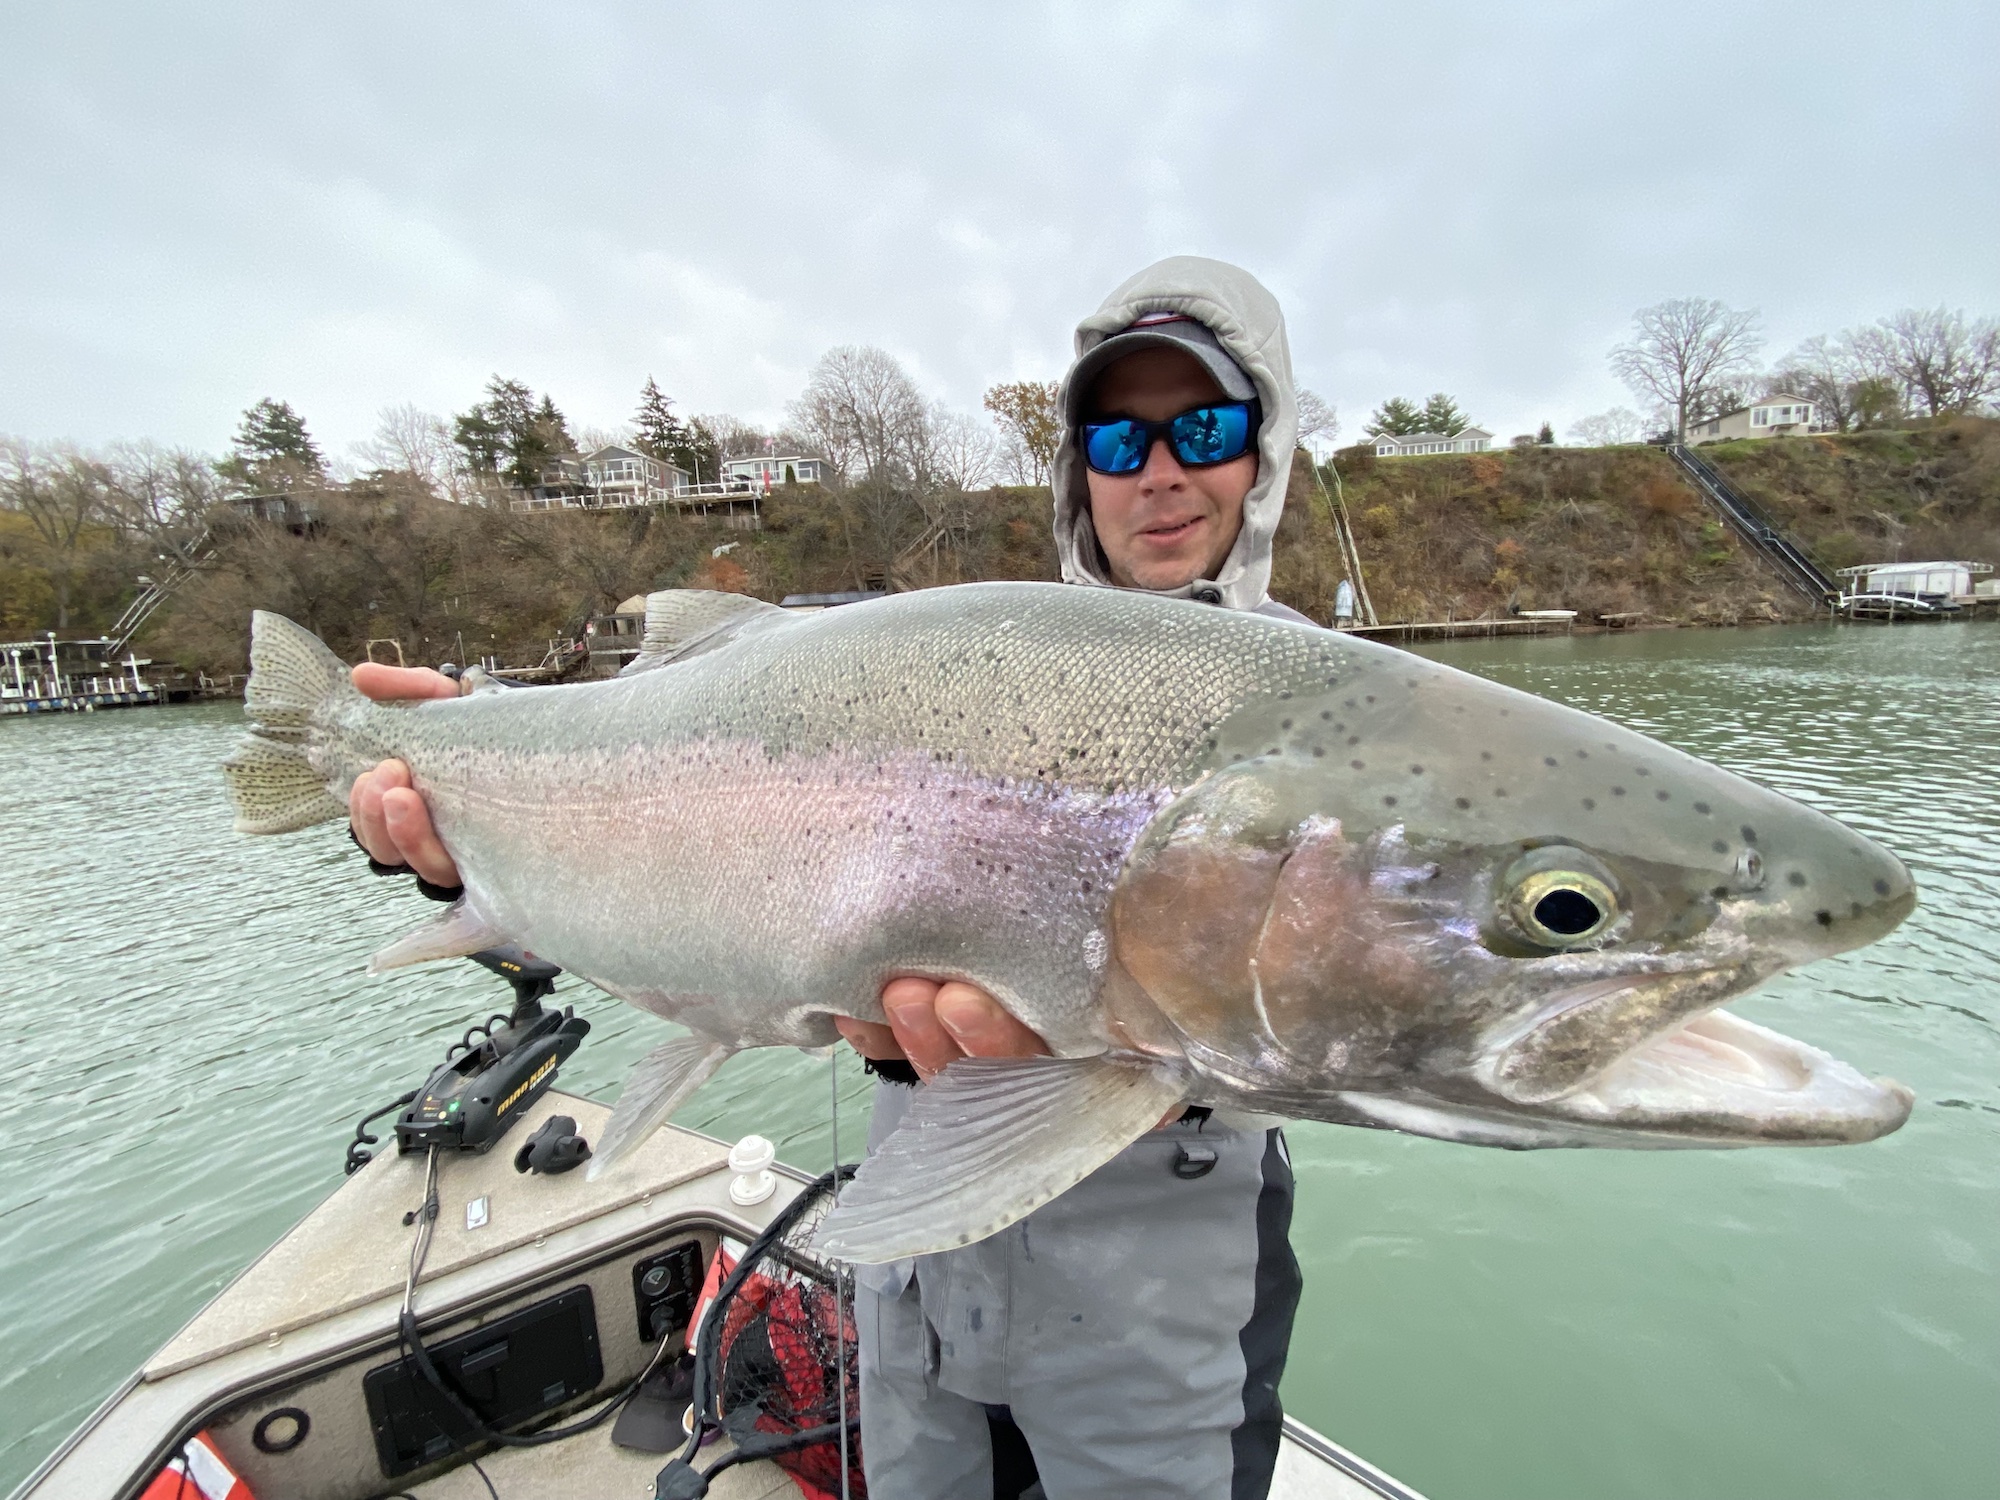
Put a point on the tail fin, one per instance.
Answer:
(294, 679)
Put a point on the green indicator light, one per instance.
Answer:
(451, 1107)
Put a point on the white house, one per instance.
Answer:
(769, 471)
(1781, 415)
(1471, 440)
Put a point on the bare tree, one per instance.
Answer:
(65, 496)
(1826, 372)
(1606, 429)
(864, 412)
(409, 440)
(960, 451)
(733, 437)
(1318, 423)
(1682, 350)
(1944, 361)
(1030, 427)
(162, 493)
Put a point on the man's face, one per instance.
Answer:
(1164, 526)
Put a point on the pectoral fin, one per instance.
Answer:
(654, 1089)
(989, 1141)
(460, 931)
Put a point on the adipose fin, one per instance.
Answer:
(987, 1142)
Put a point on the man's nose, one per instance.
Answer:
(1162, 470)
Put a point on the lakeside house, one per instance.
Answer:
(789, 469)
(607, 478)
(1780, 415)
(1471, 440)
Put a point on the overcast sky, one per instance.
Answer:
(352, 205)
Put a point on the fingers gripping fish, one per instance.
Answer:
(1207, 856)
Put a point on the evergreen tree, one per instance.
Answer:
(656, 430)
(273, 451)
(509, 436)
(1441, 414)
(1395, 418)
(1546, 437)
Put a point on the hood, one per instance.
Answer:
(1236, 308)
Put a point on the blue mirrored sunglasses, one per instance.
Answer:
(1206, 435)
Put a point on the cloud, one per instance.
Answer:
(358, 205)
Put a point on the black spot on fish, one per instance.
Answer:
(1416, 770)
(1369, 699)
(1548, 760)
(1881, 887)
(1663, 796)
(1388, 801)
(1486, 755)
(1824, 918)
(1326, 714)
(1589, 804)
(1286, 724)
(1352, 704)
(1702, 808)
(1461, 803)
(1720, 893)
(1283, 696)
(1618, 791)
(1749, 834)
(1641, 771)
(1796, 878)
(1086, 885)
(1583, 755)
(1499, 791)
(1319, 752)
(1358, 765)
(1719, 847)
(1354, 739)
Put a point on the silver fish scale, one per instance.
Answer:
(1074, 686)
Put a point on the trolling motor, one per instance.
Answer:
(485, 1086)
(490, 1075)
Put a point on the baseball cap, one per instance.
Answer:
(1159, 330)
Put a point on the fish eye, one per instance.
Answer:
(1562, 908)
(1749, 870)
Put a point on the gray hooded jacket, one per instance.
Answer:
(1236, 308)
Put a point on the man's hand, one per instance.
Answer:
(933, 1024)
(387, 815)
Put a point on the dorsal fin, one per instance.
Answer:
(686, 622)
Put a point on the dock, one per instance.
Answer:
(1542, 623)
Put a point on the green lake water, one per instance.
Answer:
(192, 1037)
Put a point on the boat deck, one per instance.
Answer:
(299, 1332)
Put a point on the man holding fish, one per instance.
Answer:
(1080, 857)
(1154, 1301)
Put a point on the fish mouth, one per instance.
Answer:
(1715, 1079)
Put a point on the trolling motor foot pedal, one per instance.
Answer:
(651, 1421)
(554, 1149)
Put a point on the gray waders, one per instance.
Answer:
(1133, 1331)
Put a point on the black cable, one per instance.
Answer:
(357, 1158)
(411, 1344)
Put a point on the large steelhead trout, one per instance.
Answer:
(1207, 855)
